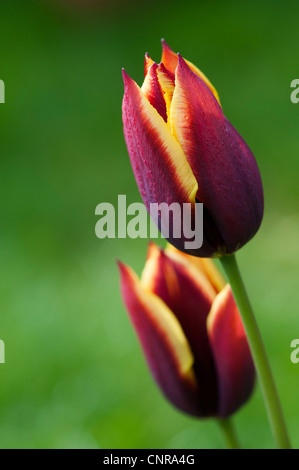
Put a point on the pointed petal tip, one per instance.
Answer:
(181, 60)
(162, 67)
(128, 81)
(122, 267)
(164, 43)
(128, 278)
(148, 58)
(153, 66)
(153, 249)
(126, 77)
(148, 62)
(182, 64)
(151, 244)
(124, 74)
(119, 263)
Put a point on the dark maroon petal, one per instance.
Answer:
(229, 183)
(163, 342)
(235, 369)
(189, 295)
(152, 91)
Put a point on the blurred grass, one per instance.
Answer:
(74, 375)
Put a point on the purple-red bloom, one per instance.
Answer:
(190, 331)
(183, 149)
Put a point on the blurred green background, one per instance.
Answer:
(74, 374)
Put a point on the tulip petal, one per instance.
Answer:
(155, 154)
(152, 91)
(227, 174)
(209, 268)
(249, 175)
(147, 63)
(167, 83)
(164, 344)
(189, 295)
(236, 373)
(170, 60)
(206, 266)
(169, 57)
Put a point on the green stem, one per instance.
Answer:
(229, 433)
(258, 352)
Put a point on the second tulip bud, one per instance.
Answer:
(190, 331)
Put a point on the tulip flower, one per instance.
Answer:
(183, 149)
(191, 332)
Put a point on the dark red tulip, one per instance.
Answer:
(191, 332)
(183, 149)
